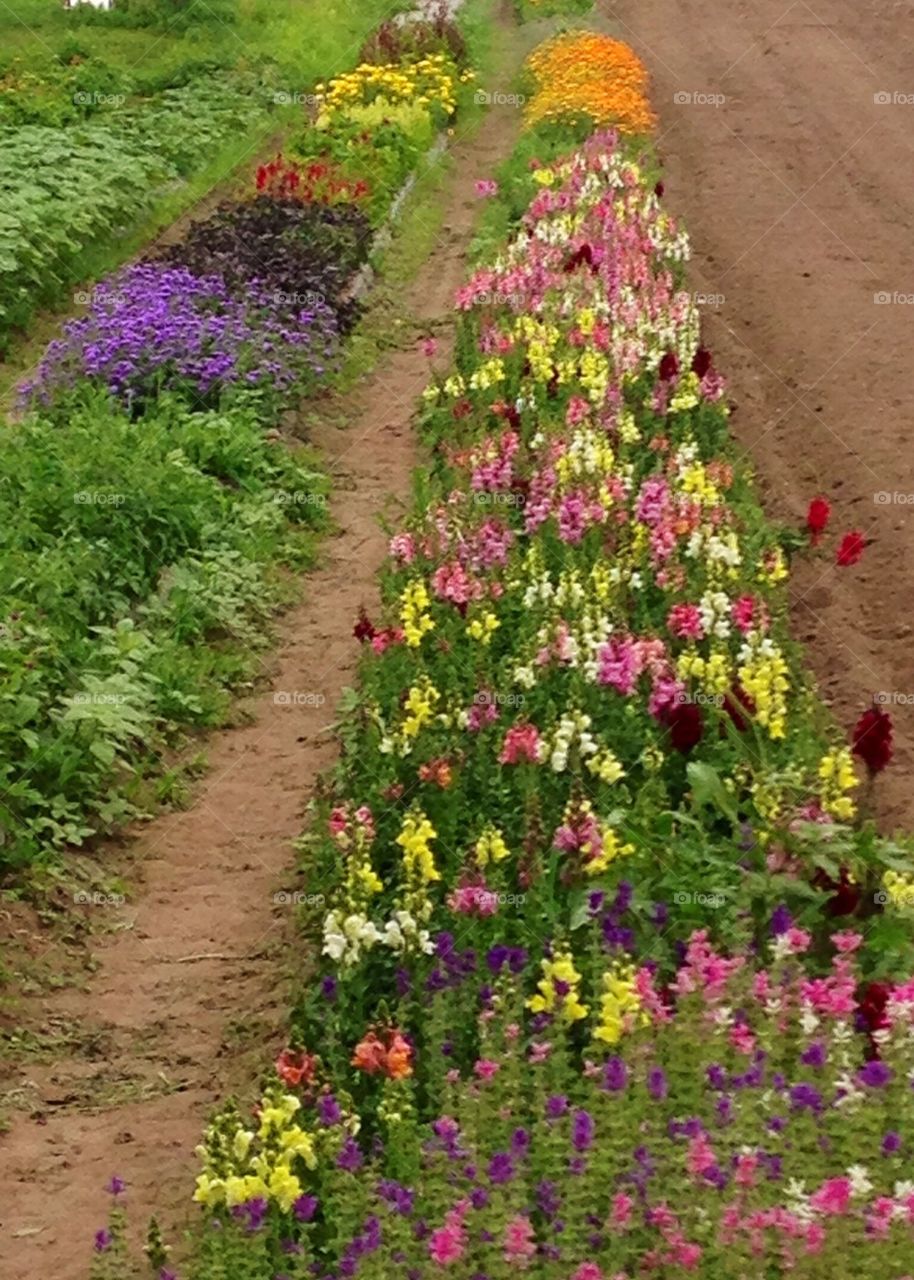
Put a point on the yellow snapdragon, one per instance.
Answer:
(620, 1004)
(414, 618)
(490, 847)
(899, 888)
(484, 627)
(774, 568)
(763, 674)
(838, 777)
(605, 766)
(414, 839)
(420, 704)
(612, 848)
(560, 969)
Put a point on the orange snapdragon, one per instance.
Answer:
(295, 1068)
(391, 1056)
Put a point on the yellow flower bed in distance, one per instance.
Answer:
(430, 81)
(580, 73)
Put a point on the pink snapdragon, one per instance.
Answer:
(684, 621)
(704, 970)
(402, 547)
(519, 1242)
(521, 745)
(452, 582)
(846, 942)
(620, 664)
(620, 1212)
(749, 614)
(700, 1157)
(448, 1243)
(832, 1198)
(473, 899)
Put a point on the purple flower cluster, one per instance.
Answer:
(156, 328)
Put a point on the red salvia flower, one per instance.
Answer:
(850, 548)
(817, 518)
(873, 740)
(320, 182)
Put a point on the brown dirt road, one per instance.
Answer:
(796, 190)
(185, 1002)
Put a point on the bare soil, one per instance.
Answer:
(185, 1002)
(796, 190)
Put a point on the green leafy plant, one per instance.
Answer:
(137, 582)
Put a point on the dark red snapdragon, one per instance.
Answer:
(872, 740)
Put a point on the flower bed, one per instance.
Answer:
(155, 328)
(46, 223)
(726, 1126)
(374, 124)
(139, 106)
(579, 75)
(194, 353)
(583, 676)
(581, 1011)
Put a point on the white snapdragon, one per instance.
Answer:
(346, 938)
(402, 933)
(859, 1180)
(715, 609)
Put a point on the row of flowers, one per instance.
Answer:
(726, 1125)
(581, 1010)
(371, 127)
(255, 296)
(202, 341)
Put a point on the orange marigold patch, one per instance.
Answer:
(580, 73)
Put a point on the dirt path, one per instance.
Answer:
(184, 1002)
(796, 190)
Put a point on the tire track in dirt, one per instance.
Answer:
(191, 968)
(796, 193)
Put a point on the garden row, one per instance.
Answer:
(148, 510)
(614, 976)
(90, 142)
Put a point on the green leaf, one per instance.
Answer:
(103, 751)
(709, 791)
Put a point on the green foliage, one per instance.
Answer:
(136, 583)
(46, 221)
(74, 118)
(173, 17)
(532, 10)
